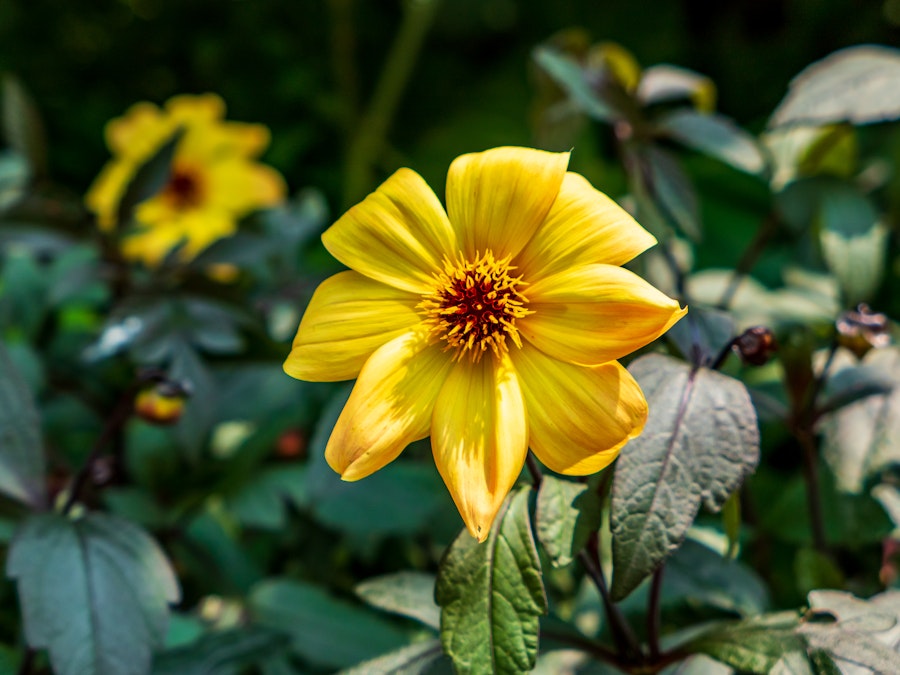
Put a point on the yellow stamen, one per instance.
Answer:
(475, 306)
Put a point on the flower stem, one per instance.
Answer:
(764, 233)
(654, 613)
(373, 127)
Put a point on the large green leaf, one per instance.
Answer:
(567, 513)
(21, 449)
(754, 645)
(569, 75)
(857, 84)
(94, 591)
(324, 630)
(854, 242)
(491, 595)
(405, 593)
(714, 135)
(671, 190)
(700, 442)
(863, 438)
(22, 126)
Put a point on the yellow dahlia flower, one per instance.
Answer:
(214, 180)
(491, 327)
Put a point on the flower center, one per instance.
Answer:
(184, 189)
(475, 306)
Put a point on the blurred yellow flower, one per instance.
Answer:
(491, 327)
(214, 180)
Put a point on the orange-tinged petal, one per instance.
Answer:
(583, 226)
(348, 318)
(399, 234)
(479, 438)
(390, 406)
(497, 199)
(595, 313)
(578, 417)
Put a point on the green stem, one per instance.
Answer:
(764, 233)
(373, 127)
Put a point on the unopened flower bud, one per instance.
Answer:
(862, 329)
(756, 345)
(161, 402)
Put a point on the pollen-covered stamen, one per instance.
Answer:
(475, 306)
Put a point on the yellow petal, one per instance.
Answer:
(348, 318)
(578, 417)
(104, 194)
(583, 226)
(390, 406)
(399, 234)
(595, 313)
(496, 199)
(190, 109)
(479, 438)
(239, 186)
(140, 131)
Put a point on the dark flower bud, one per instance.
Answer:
(756, 345)
(862, 329)
(161, 401)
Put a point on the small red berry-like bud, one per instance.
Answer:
(862, 329)
(756, 345)
(291, 445)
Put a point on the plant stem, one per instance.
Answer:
(764, 233)
(373, 126)
(535, 470)
(27, 665)
(626, 641)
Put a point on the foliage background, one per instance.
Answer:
(308, 70)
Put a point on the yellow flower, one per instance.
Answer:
(492, 327)
(214, 180)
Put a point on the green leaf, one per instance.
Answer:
(569, 75)
(664, 83)
(405, 593)
(862, 438)
(491, 595)
(864, 631)
(714, 135)
(14, 178)
(94, 591)
(324, 630)
(858, 84)
(566, 514)
(200, 409)
(22, 126)
(21, 448)
(416, 659)
(854, 242)
(700, 442)
(220, 653)
(148, 180)
(703, 336)
(262, 501)
(753, 645)
(671, 190)
(813, 569)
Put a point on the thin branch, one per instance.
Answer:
(654, 613)
(767, 228)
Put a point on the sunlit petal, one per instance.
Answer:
(497, 199)
(583, 226)
(578, 417)
(348, 318)
(390, 406)
(480, 437)
(398, 235)
(596, 313)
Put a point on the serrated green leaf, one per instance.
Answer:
(753, 645)
(858, 84)
(220, 653)
(324, 630)
(491, 595)
(416, 659)
(405, 593)
(570, 77)
(861, 438)
(566, 514)
(700, 441)
(22, 126)
(21, 448)
(854, 242)
(94, 591)
(714, 135)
